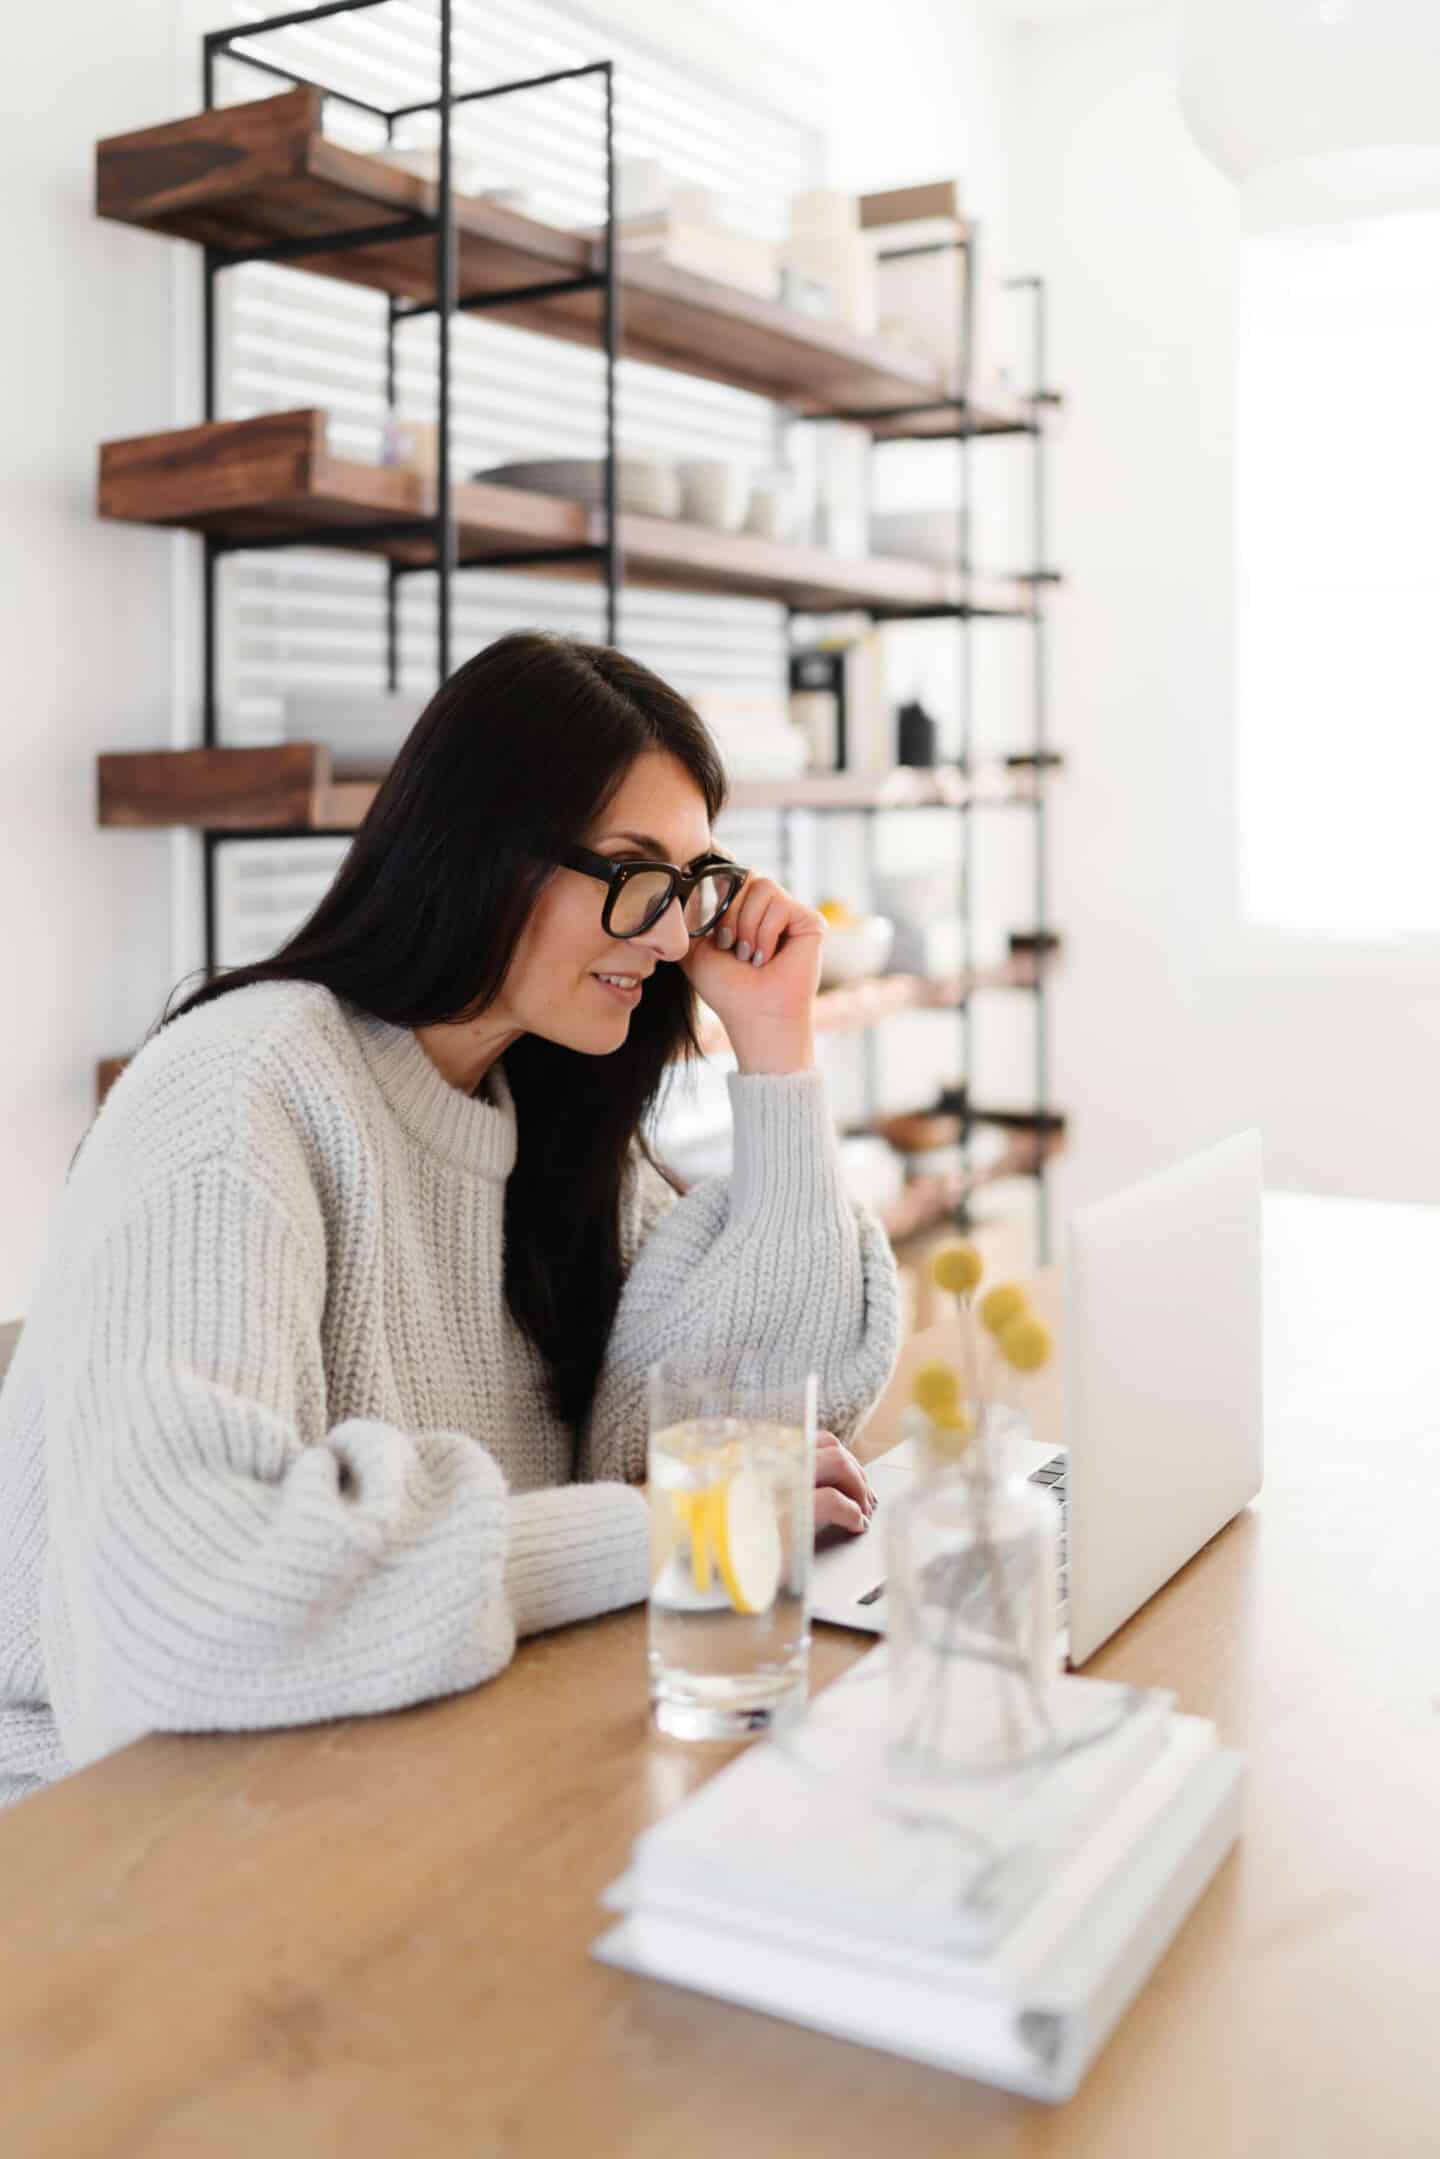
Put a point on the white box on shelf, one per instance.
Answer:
(719, 252)
(362, 730)
(841, 262)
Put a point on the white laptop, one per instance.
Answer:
(1163, 1396)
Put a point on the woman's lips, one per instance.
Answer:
(628, 997)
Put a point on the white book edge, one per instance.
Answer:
(1038, 1934)
(1030, 2041)
(679, 1852)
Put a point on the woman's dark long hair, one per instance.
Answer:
(521, 749)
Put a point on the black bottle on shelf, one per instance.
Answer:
(917, 734)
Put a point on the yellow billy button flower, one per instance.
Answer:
(936, 1389)
(1004, 1303)
(957, 1267)
(1025, 1343)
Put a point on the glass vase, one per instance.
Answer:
(972, 1614)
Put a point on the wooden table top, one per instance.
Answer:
(372, 1936)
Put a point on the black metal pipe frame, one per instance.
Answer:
(963, 612)
(613, 563)
(1040, 742)
(338, 243)
(441, 525)
(303, 82)
(445, 536)
(966, 250)
(494, 89)
(511, 296)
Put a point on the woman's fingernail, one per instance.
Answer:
(724, 938)
(759, 960)
(742, 950)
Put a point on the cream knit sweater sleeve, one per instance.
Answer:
(220, 1560)
(776, 1260)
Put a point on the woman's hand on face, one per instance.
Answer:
(843, 1498)
(758, 971)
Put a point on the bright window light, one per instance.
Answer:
(1338, 547)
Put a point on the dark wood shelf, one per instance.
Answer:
(288, 787)
(851, 1006)
(907, 787)
(262, 174)
(927, 1202)
(272, 478)
(293, 787)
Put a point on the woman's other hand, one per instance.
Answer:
(758, 971)
(843, 1498)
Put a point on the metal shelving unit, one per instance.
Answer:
(383, 225)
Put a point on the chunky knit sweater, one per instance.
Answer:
(272, 1449)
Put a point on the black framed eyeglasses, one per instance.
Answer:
(640, 892)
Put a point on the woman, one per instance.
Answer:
(334, 1384)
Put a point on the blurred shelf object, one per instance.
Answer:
(1035, 946)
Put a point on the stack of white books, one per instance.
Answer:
(998, 1927)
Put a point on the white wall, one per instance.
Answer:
(89, 611)
(1175, 1025)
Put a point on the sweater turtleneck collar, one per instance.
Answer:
(472, 1134)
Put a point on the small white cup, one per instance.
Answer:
(714, 491)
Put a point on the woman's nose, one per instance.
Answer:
(667, 938)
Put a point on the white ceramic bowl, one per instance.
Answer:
(916, 535)
(853, 950)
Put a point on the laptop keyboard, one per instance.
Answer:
(1054, 1477)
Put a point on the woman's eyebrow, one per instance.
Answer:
(652, 846)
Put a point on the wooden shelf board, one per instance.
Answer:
(907, 787)
(851, 1006)
(272, 476)
(262, 173)
(994, 415)
(928, 1201)
(292, 787)
(287, 787)
(107, 1071)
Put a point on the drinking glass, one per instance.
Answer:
(732, 1529)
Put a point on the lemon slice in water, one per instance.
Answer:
(693, 1509)
(745, 1536)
